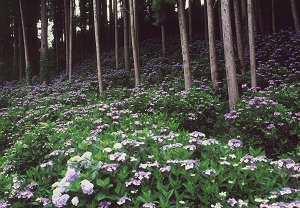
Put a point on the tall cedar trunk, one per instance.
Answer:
(205, 21)
(21, 48)
(44, 43)
(229, 54)
(83, 20)
(212, 43)
(116, 34)
(70, 40)
(190, 22)
(238, 29)
(245, 28)
(295, 16)
(254, 11)
(67, 16)
(16, 38)
(184, 45)
(163, 39)
(260, 18)
(134, 43)
(251, 44)
(56, 41)
(28, 70)
(126, 35)
(136, 29)
(97, 40)
(220, 21)
(273, 17)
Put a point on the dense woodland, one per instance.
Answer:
(84, 30)
(155, 103)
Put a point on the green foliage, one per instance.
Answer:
(43, 67)
(146, 146)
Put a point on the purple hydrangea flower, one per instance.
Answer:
(60, 200)
(123, 200)
(104, 204)
(4, 204)
(87, 187)
(231, 202)
(234, 143)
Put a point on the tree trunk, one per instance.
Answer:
(205, 21)
(71, 41)
(245, 28)
(190, 22)
(295, 16)
(28, 70)
(134, 43)
(273, 17)
(67, 16)
(21, 53)
(212, 43)
(97, 40)
(220, 21)
(184, 46)
(16, 38)
(229, 54)
(260, 18)
(238, 29)
(44, 43)
(126, 35)
(251, 44)
(116, 34)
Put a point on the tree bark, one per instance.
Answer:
(71, 41)
(44, 43)
(190, 22)
(184, 46)
(67, 16)
(97, 40)
(116, 34)
(273, 17)
(260, 18)
(229, 54)
(21, 48)
(295, 16)
(126, 35)
(28, 70)
(251, 44)
(238, 29)
(212, 43)
(134, 40)
(205, 21)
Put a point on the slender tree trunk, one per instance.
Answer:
(126, 35)
(229, 54)
(67, 16)
(205, 21)
(116, 34)
(245, 29)
(273, 17)
(212, 43)
(21, 53)
(238, 29)
(190, 22)
(16, 38)
(251, 45)
(44, 43)
(184, 46)
(134, 43)
(220, 21)
(97, 40)
(28, 70)
(260, 18)
(163, 39)
(254, 11)
(295, 16)
(71, 41)
(56, 40)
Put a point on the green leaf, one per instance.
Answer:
(100, 196)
